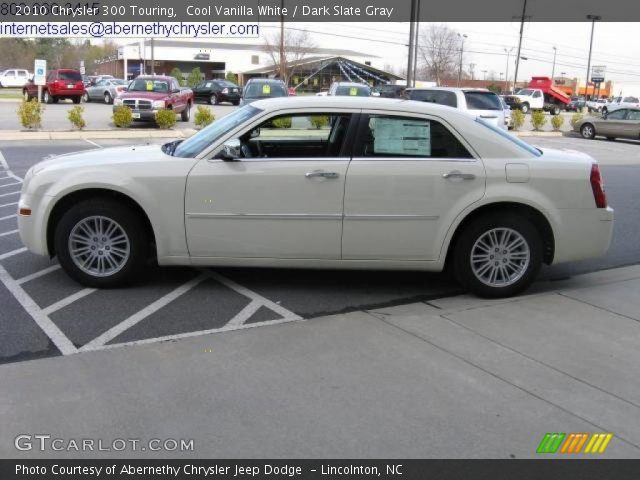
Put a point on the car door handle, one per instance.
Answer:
(321, 173)
(458, 174)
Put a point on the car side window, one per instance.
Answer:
(407, 137)
(633, 115)
(297, 136)
(536, 94)
(10, 73)
(441, 97)
(617, 114)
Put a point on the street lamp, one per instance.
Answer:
(462, 37)
(506, 77)
(593, 19)
(553, 69)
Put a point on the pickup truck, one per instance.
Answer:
(539, 95)
(620, 102)
(147, 94)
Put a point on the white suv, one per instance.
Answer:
(478, 101)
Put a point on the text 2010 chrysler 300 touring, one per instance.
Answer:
(336, 182)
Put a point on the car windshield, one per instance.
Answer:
(195, 144)
(148, 85)
(525, 91)
(482, 101)
(264, 90)
(630, 100)
(70, 76)
(512, 138)
(224, 83)
(353, 90)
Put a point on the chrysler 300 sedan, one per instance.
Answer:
(313, 182)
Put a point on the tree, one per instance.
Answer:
(494, 88)
(195, 77)
(232, 77)
(439, 53)
(296, 45)
(177, 74)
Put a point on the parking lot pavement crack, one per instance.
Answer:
(599, 307)
(494, 375)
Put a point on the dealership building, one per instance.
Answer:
(317, 68)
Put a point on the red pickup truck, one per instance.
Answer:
(147, 94)
(61, 83)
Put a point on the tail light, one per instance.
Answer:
(598, 187)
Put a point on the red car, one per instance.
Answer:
(61, 83)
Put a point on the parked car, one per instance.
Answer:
(61, 84)
(508, 120)
(596, 104)
(479, 199)
(351, 89)
(621, 102)
(148, 93)
(391, 91)
(105, 90)
(14, 77)
(481, 102)
(576, 105)
(217, 91)
(620, 123)
(259, 88)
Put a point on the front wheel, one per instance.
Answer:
(77, 99)
(555, 110)
(47, 97)
(26, 96)
(213, 99)
(107, 98)
(100, 244)
(588, 131)
(85, 97)
(498, 255)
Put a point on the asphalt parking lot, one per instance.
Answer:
(52, 315)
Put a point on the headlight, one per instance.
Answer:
(117, 101)
(158, 104)
(225, 90)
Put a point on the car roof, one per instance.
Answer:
(451, 89)
(351, 84)
(266, 80)
(157, 77)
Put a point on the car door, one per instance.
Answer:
(281, 198)
(95, 91)
(409, 177)
(632, 122)
(613, 125)
(177, 97)
(9, 79)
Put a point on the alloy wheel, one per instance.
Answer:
(500, 257)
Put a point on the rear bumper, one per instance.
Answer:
(583, 234)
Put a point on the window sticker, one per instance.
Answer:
(149, 86)
(266, 89)
(353, 91)
(402, 137)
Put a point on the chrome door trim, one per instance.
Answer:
(270, 216)
(391, 217)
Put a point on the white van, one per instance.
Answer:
(14, 77)
(478, 101)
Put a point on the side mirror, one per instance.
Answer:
(231, 150)
(176, 90)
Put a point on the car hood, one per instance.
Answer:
(102, 156)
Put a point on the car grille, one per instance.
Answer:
(137, 104)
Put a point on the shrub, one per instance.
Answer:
(30, 113)
(518, 118)
(538, 119)
(576, 118)
(319, 121)
(557, 121)
(203, 116)
(282, 122)
(165, 118)
(75, 117)
(194, 78)
(122, 116)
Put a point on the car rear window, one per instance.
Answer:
(264, 90)
(70, 75)
(482, 101)
(441, 97)
(347, 90)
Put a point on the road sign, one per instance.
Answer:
(39, 71)
(597, 73)
(82, 71)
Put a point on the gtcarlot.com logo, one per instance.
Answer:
(574, 443)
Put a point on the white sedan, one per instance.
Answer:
(310, 182)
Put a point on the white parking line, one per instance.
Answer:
(9, 204)
(44, 322)
(10, 193)
(38, 274)
(4, 234)
(137, 317)
(92, 143)
(244, 314)
(3, 163)
(9, 216)
(12, 253)
(10, 184)
(67, 301)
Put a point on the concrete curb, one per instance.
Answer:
(18, 135)
(540, 134)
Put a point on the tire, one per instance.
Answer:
(524, 107)
(555, 110)
(213, 99)
(86, 98)
(236, 102)
(128, 265)
(107, 98)
(524, 259)
(588, 131)
(185, 115)
(26, 95)
(46, 97)
(604, 110)
(77, 100)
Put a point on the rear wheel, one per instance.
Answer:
(47, 97)
(85, 97)
(588, 131)
(524, 107)
(213, 99)
(77, 99)
(555, 110)
(100, 244)
(107, 98)
(185, 115)
(498, 255)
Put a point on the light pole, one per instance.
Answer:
(522, 19)
(462, 37)
(506, 77)
(593, 19)
(484, 74)
(553, 69)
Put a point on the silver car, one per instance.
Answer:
(621, 123)
(105, 90)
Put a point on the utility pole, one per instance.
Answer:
(593, 19)
(522, 19)
(472, 67)
(282, 69)
(412, 32)
(553, 69)
(462, 37)
(506, 76)
(153, 57)
(416, 43)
